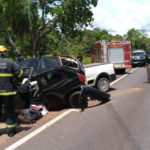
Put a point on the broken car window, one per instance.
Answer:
(70, 62)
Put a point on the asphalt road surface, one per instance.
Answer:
(123, 123)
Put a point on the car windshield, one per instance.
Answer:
(137, 53)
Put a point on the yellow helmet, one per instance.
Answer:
(3, 48)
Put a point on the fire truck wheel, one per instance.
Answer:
(74, 100)
(103, 84)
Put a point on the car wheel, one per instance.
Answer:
(103, 84)
(74, 100)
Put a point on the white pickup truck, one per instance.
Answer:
(100, 75)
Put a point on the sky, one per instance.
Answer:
(119, 16)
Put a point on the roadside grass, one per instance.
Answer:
(86, 60)
(49, 55)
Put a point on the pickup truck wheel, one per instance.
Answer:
(74, 100)
(103, 84)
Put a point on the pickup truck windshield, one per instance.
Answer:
(137, 54)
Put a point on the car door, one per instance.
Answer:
(24, 95)
(52, 85)
(93, 93)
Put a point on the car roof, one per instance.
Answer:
(138, 51)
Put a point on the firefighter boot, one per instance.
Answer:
(11, 131)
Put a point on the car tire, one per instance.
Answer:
(103, 84)
(74, 100)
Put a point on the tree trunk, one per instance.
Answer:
(34, 47)
(21, 43)
(10, 41)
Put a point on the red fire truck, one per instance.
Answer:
(118, 52)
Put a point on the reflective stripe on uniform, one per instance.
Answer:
(21, 73)
(6, 75)
(11, 126)
(18, 82)
(7, 93)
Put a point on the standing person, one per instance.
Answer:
(20, 58)
(147, 64)
(8, 70)
(80, 58)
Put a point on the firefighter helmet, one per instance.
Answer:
(3, 48)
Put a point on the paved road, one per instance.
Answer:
(123, 123)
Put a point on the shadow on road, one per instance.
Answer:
(147, 82)
(19, 129)
(120, 73)
(60, 108)
(101, 103)
(111, 89)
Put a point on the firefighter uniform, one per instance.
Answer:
(8, 70)
(148, 67)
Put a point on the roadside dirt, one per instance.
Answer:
(128, 91)
(26, 126)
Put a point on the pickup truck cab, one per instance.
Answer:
(138, 58)
(100, 75)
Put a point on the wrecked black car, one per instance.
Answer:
(56, 81)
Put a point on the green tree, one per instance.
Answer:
(138, 38)
(41, 17)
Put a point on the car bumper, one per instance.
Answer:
(112, 77)
(138, 62)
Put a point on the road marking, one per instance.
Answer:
(122, 77)
(32, 134)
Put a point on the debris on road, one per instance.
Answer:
(35, 112)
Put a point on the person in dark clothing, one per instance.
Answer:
(8, 70)
(147, 64)
(80, 58)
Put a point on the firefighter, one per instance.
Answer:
(147, 64)
(8, 70)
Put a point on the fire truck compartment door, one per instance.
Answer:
(116, 55)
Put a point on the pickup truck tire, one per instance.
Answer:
(103, 84)
(74, 100)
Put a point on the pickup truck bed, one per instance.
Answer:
(94, 64)
(100, 75)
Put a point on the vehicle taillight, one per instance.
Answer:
(81, 78)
